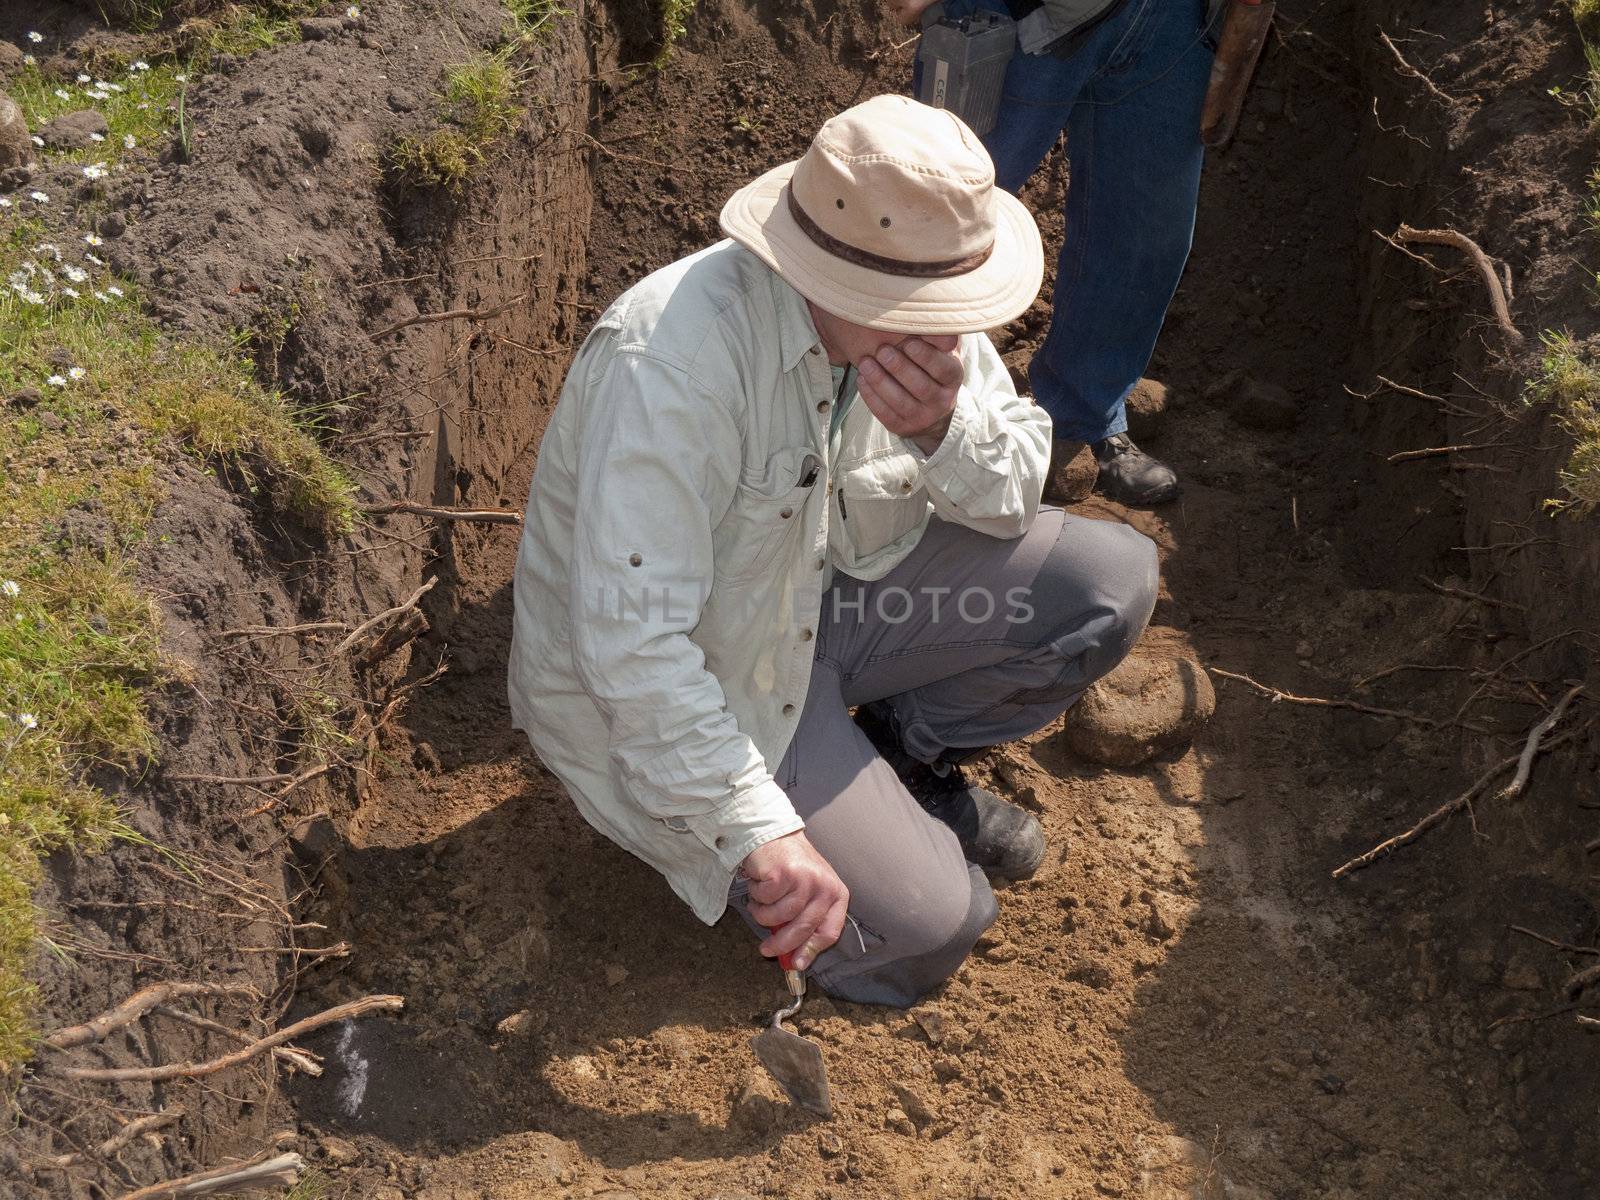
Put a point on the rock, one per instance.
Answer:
(758, 1105)
(317, 29)
(71, 131)
(947, 1068)
(615, 974)
(16, 147)
(27, 397)
(1000, 952)
(1522, 975)
(932, 1023)
(913, 1105)
(52, 422)
(10, 59)
(1258, 405)
(113, 225)
(11, 178)
(1159, 925)
(829, 1144)
(315, 838)
(1331, 1084)
(1147, 407)
(340, 1151)
(1152, 704)
(523, 1023)
(898, 1121)
(1070, 481)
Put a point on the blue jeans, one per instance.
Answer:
(1129, 99)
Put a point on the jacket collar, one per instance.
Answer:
(796, 333)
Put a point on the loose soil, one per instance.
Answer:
(1183, 1003)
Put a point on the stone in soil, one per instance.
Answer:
(71, 131)
(1254, 403)
(1152, 704)
(1147, 408)
(16, 147)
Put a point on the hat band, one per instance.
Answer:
(878, 262)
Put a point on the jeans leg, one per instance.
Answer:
(1134, 156)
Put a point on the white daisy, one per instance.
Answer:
(30, 296)
(102, 297)
(140, 65)
(93, 239)
(39, 197)
(95, 171)
(73, 292)
(27, 720)
(76, 372)
(76, 274)
(4, 203)
(181, 78)
(128, 142)
(99, 262)
(63, 94)
(11, 588)
(353, 12)
(37, 140)
(113, 289)
(59, 381)
(100, 94)
(35, 37)
(97, 137)
(82, 78)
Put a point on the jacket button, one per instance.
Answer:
(905, 485)
(806, 635)
(635, 559)
(719, 841)
(824, 405)
(821, 562)
(788, 710)
(787, 513)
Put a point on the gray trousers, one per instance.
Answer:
(972, 641)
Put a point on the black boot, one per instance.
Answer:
(1130, 476)
(997, 836)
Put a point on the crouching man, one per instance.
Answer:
(789, 476)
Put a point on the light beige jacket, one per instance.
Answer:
(685, 515)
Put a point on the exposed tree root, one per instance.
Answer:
(1491, 281)
(269, 1170)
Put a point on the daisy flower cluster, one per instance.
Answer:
(49, 275)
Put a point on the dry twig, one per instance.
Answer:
(1445, 589)
(1408, 69)
(1566, 947)
(1524, 763)
(293, 1056)
(1318, 702)
(366, 627)
(454, 314)
(1434, 452)
(118, 1140)
(276, 1170)
(488, 516)
(354, 1008)
(135, 1006)
(1491, 281)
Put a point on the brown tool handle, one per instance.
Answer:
(1244, 32)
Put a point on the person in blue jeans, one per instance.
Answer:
(1125, 79)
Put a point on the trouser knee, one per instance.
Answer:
(1104, 577)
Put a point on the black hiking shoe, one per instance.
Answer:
(1130, 476)
(995, 835)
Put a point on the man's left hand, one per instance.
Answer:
(911, 388)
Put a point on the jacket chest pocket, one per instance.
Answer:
(767, 511)
(879, 504)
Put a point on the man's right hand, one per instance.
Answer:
(796, 892)
(909, 12)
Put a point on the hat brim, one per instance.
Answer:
(757, 217)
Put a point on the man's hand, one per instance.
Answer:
(908, 12)
(911, 388)
(792, 886)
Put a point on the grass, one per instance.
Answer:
(138, 104)
(99, 400)
(1587, 14)
(1570, 384)
(477, 108)
(674, 23)
(531, 19)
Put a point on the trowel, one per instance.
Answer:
(795, 1062)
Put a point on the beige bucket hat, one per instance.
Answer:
(891, 219)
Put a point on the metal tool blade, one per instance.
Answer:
(796, 1063)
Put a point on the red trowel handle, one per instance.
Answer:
(795, 978)
(1244, 32)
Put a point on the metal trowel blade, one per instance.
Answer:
(796, 1063)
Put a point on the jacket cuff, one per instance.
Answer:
(751, 819)
(941, 470)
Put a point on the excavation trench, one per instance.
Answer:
(1183, 999)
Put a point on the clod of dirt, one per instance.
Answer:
(758, 1105)
(73, 130)
(22, 398)
(315, 838)
(339, 1150)
(1152, 704)
(1147, 408)
(522, 1024)
(316, 29)
(1073, 480)
(10, 60)
(913, 1105)
(933, 1023)
(1256, 404)
(16, 147)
